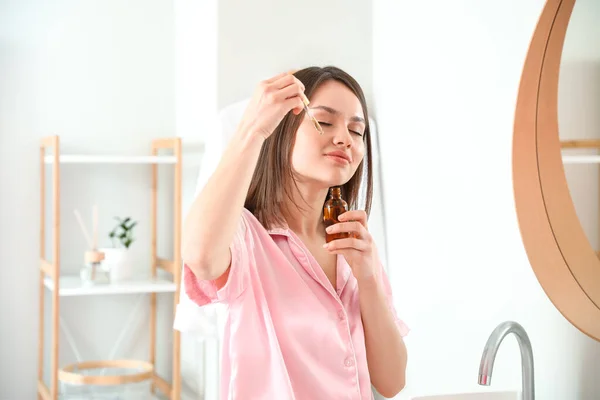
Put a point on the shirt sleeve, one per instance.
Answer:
(204, 292)
(404, 329)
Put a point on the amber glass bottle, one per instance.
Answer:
(334, 206)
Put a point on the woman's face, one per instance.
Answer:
(330, 159)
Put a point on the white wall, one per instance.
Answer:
(578, 104)
(100, 74)
(261, 38)
(195, 112)
(446, 77)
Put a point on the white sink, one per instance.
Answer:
(473, 396)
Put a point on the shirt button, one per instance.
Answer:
(348, 362)
(341, 315)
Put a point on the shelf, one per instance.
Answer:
(73, 286)
(581, 159)
(97, 393)
(107, 159)
(112, 396)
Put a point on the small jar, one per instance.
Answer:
(91, 273)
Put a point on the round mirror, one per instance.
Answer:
(578, 116)
(559, 218)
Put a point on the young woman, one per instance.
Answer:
(306, 319)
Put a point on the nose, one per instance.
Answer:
(342, 137)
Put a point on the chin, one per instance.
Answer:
(335, 179)
(326, 175)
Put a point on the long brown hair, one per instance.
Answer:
(273, 177)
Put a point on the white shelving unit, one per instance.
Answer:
(581, 159)
(74, 286)
(61, 286)
(110, 159)
(581, 145)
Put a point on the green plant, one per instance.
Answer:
(123, 232)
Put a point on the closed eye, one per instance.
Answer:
(328, 124)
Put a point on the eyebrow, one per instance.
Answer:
(336, 112)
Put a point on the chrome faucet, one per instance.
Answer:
(489, 355)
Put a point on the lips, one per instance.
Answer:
(339, 156)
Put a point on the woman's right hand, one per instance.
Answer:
(272, 100)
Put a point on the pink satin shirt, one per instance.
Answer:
(288, 334)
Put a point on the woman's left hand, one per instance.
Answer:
(359, 249)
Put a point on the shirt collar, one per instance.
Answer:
(279, 231)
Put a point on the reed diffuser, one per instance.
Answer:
(91, 273)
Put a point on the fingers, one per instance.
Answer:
(290, 91)
(345, 244)
(286, 81)
(285, 89)
(350, 227)
(295, 104)
(276, 77)
(354, 215)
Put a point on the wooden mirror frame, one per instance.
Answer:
(560, 254)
